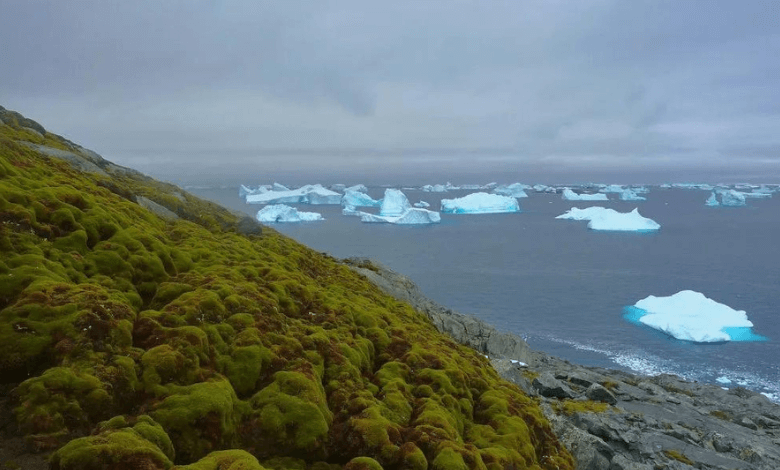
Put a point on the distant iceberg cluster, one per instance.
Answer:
(276, 213)
(569, 195)
(603, 219)
(480, 203)
(734, 198)
(690, 316)
(490, 198)
(309, 194)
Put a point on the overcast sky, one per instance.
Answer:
(582, 84)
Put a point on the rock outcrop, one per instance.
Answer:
(611, 419)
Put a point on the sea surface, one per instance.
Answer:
(564, 287)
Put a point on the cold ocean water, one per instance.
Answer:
(564, 287)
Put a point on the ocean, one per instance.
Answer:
(564, 287)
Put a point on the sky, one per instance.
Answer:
(197, 89)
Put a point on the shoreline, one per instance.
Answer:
(608, 418)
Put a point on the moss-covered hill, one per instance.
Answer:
(134, 341)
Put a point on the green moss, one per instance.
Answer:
(106, 309)
(199, 418)
(225, 460)
(62, 399)
(291, 415)
(122, 450)
(362, 463)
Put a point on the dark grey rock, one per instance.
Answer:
(159, 210)
(598, 393)
(249, 226)
(549, 386)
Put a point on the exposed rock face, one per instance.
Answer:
(660, 422)
(159, 210)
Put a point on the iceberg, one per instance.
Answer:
(358, 199)
(516, 190)
(281, 213)
(358, 187)
(690, 316)
(570, 195)
(480, 203)
(435, 188)
(757, 195)
(338, 187)
(604, 219)
(732, 198)
(712, 201)
(631, 195)
(541, 188)
(422, 204)
(309, 194)
(394, 203)
(412, 216)
(612, 188)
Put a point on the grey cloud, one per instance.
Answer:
(646, 79)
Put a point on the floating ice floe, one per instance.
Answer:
(732, 198)
(712, 201)
(690, 316)
(631, 195)
(703, 186)
(412, 216)
(309, 194)
(570, 195)
(394, 203)
(757, 195)
(358, 199)
(480, 203)
(516, 190)
(605, 219)
(422, 204)
(281, 213)
(723, 380)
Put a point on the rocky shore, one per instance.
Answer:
(611, 419)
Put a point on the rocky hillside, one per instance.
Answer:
(143, 328)
(610, 419)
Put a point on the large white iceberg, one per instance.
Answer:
(570, 195)
(514, 190)
(309, 194)
(358, 199)
(690, 316)
(413, 216)
(604, 219)
(480, 203)
(394, 203)
(281, 213)
(732, 198)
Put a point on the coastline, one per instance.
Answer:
(612, 419)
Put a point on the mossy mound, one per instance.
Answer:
(179, 341)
